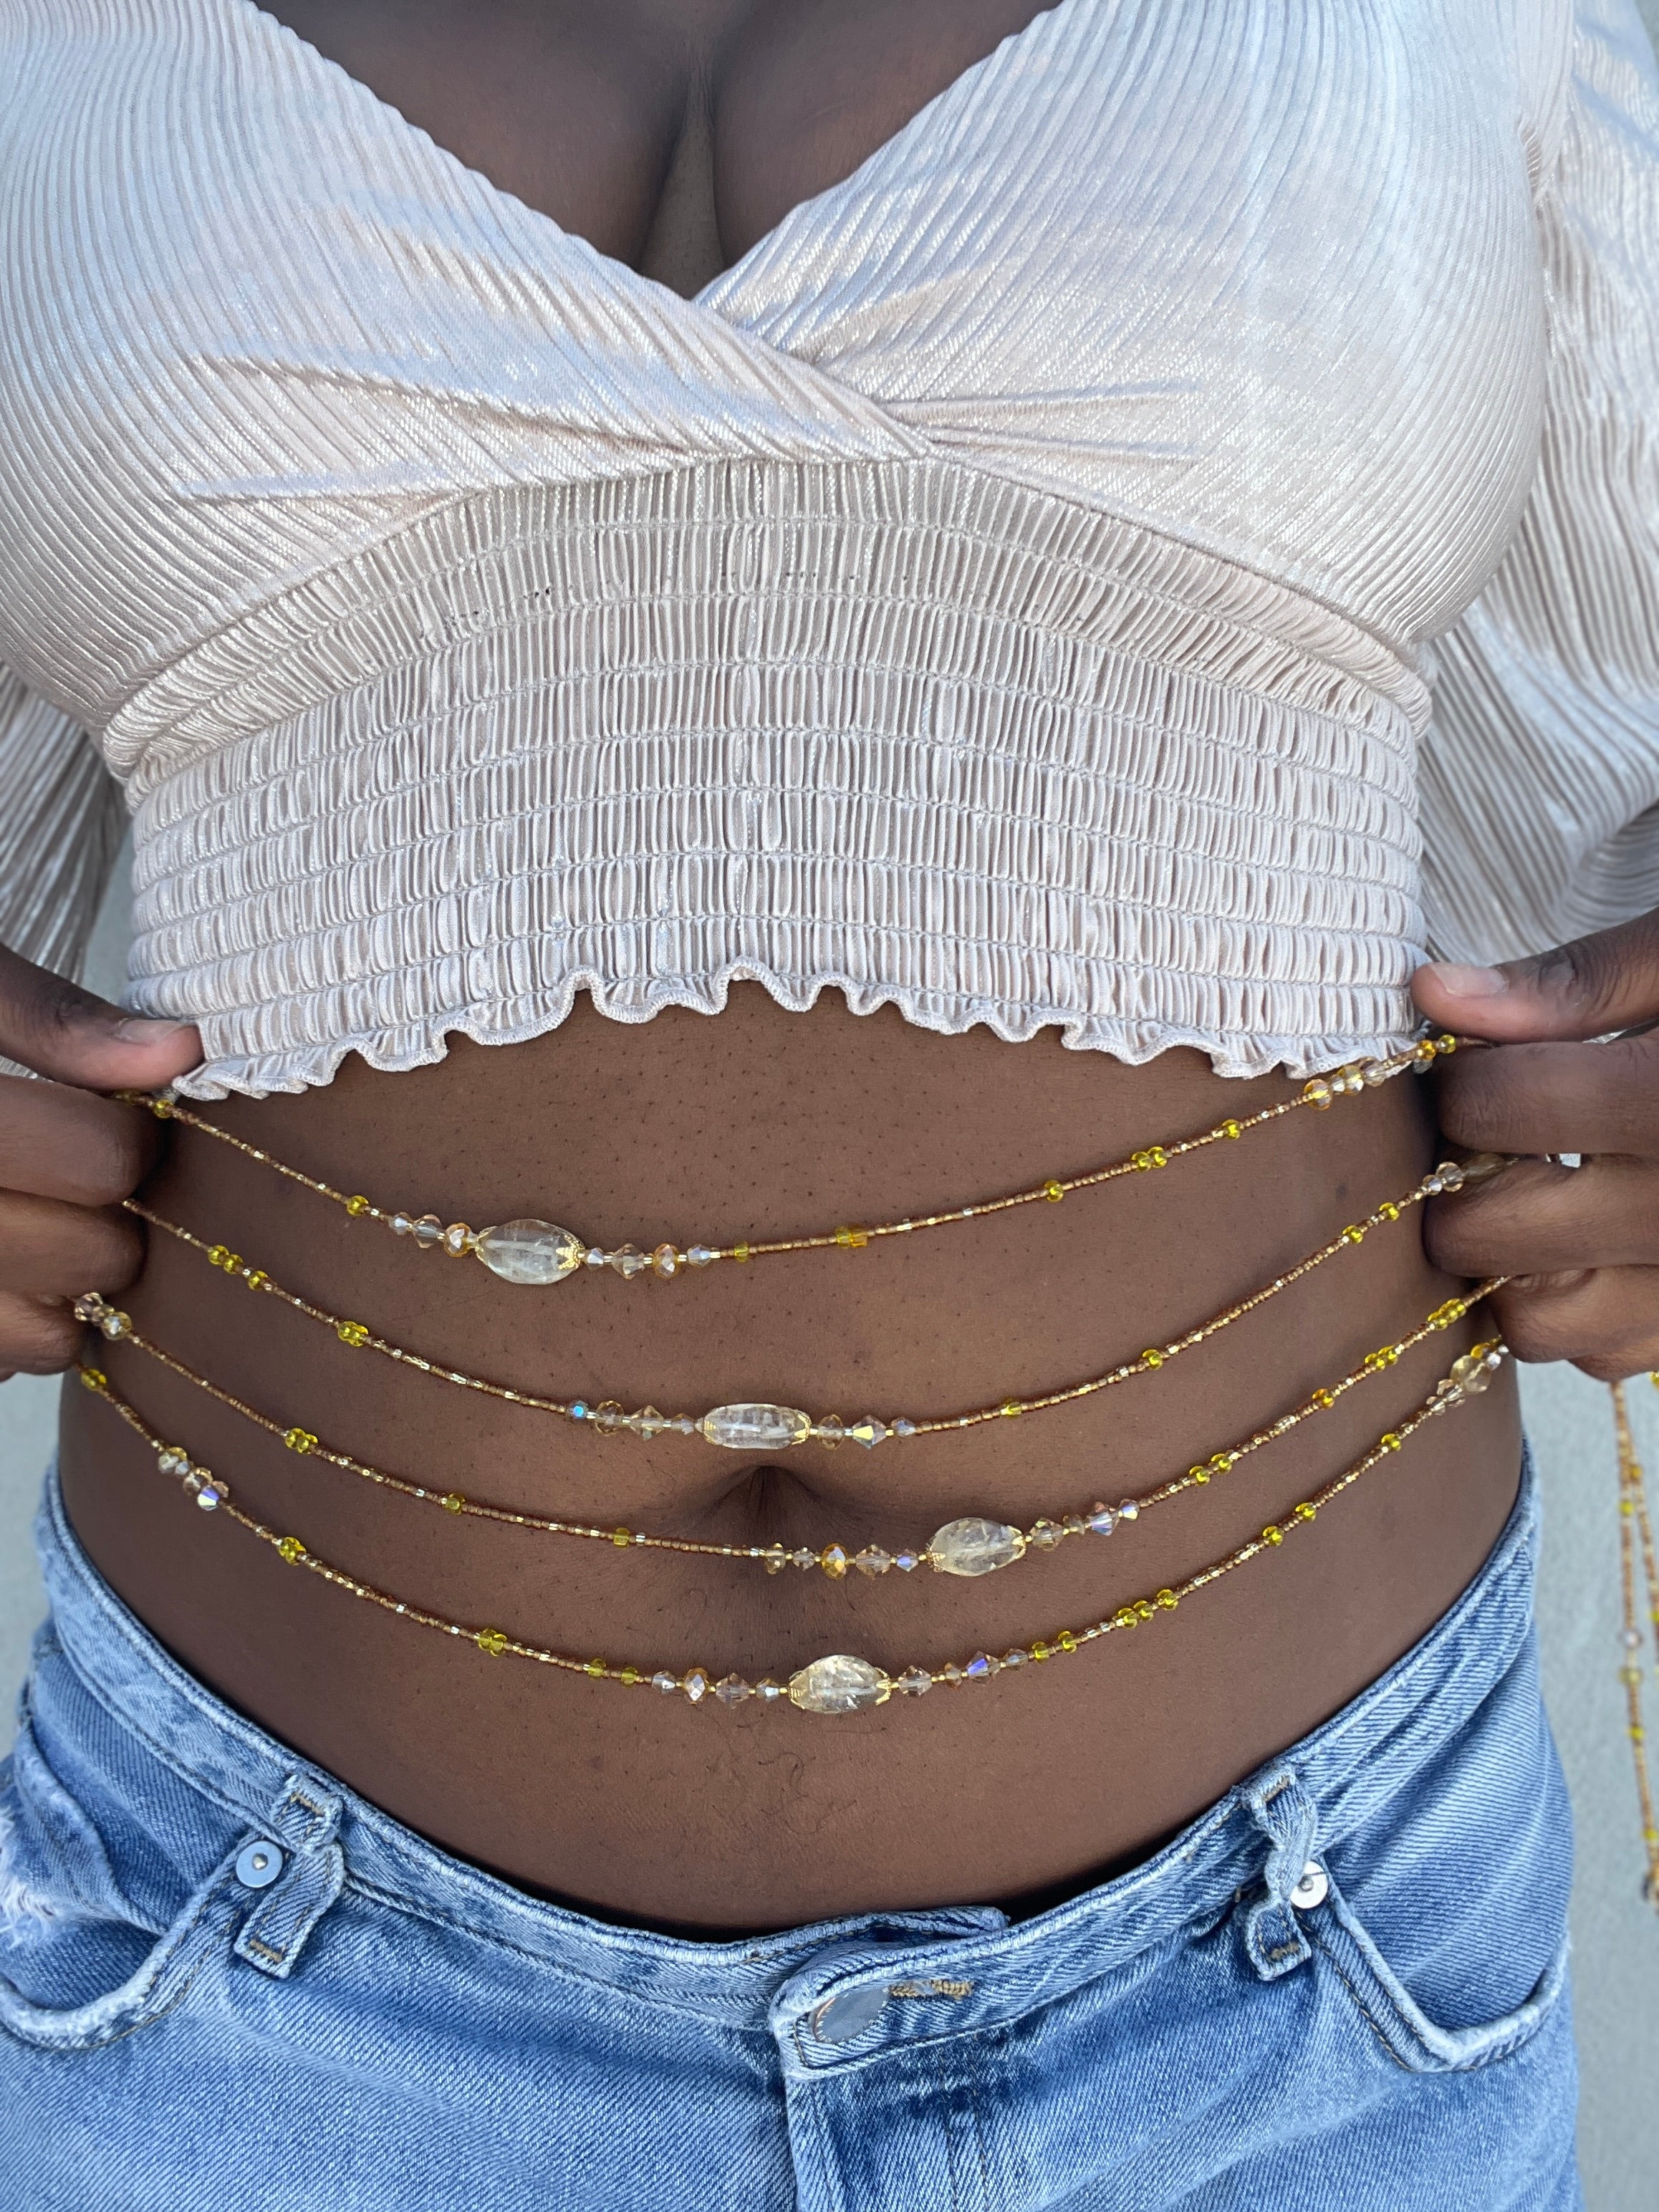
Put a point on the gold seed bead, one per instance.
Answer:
(1353, 1234)
(492, 1641)
(93, 1378)
(1065, 1640)
(1273, 1534)
(353, 1333)
(356, 1204)
(1198, 1474)
(1144, 1607)
(1152, 1358)
(628, 1675)
(1041, 1650)
(852, 1240)
(256, 1279)
(452, 1501)
(1054, 1191)
(622, 1537)
(291, 1549)
(1389, 1441)
(1389, 1210)
(1305, 1511)
(1445, 1046)
(597, 1668)
(1324, 1400)
(299, 1440)
(217, 1255)
(1010, 1409)
(1126, 1617)
(162, 1108)
(1167, 1599)
(1232, 1129)
(740, 1253)
(1317, 1093)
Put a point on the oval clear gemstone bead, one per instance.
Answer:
(973, 1547)
(530, 1251)
(839, 1684)
(757, 1428)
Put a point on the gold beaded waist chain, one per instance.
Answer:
(970, 1546)
(543, 1253)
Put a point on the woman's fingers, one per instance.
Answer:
(1536, 1219)
(1605, 1322)
(70, 1145)
(1540, 1098)
(61, 1031)
(48, 1249)
(1595, 984)
(36, 1337)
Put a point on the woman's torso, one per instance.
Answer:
(767, 1121)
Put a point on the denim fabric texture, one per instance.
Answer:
(231, 1986)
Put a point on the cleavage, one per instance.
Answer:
(673, 135)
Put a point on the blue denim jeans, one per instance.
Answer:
(230, 1985)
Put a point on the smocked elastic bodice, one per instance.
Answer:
(1019, 590)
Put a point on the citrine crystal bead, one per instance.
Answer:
(839, 1684)
(665, 1262)
(458, 1240)
(974, 1547)
(756, 1427)
(530, 1251)
(833, 1559)
(1471, 1373)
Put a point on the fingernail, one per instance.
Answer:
(1460, 982)
(138, 1028)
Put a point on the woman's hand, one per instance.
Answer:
(1582, 1243)
(67, 1158)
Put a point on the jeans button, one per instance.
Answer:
(848, 2013)
(259, 1864)
(1312, 1888)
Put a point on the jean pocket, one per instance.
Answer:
(1345, 1948)
(80, 1964)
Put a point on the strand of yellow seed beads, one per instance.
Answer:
(969, 1545)
(543, 1252)
(1635, 1537)
(840, 1682)
(764, 1427)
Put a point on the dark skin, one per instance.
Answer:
(673, 137)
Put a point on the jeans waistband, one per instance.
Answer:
(1311, 1796)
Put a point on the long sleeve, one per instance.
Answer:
(1540, 786)
(61, 820)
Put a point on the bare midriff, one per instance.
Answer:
(759, 1123)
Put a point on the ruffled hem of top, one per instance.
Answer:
(395, 1050)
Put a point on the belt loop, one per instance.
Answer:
(303, 1824)
(1287, 1816)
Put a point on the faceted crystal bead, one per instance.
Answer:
(1471, 1374)
(915, 1682)
(666, 1683)
(769, 1692)
(757, 1428)
(113, 1325)
(428, 1230)
(973, 1547)
(1044, 1535)
(627, 1260)
(733, 1690)
(530, 1251)
(979, 1668)
(950, 1674)
(212, 1495)
(904, 1428)
(608, 1417)
(457, 1239)
(907, 1561)
(873, 1561)
(1016, 1657)
(695, 1684)
(1129, 1510)
(839, 1684)
(649, 1422)
(700, 1255)
(829, 1431)
(173, 1461)
(803, 1559)
(776, 1559)
(1101, 1520)
(403, 1224)
(664, 1262)
(833, 1560)
(868, 1430)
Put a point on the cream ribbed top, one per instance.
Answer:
(1045, 582)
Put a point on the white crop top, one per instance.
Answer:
(1045, 582)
